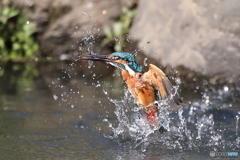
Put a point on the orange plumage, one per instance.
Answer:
(143, 88)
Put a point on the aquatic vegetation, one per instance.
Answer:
(119, 32)
(16, 40)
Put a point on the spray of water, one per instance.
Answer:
(133, 126)
(192, 127)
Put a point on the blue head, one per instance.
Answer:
(122, 60)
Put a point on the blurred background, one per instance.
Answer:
(199, 39)
(47, 96)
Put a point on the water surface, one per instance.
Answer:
(80, 119)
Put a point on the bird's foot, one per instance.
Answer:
(162, 129)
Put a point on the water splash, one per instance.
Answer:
(133, 126)
(194, 127)
(145, 62)
(237, 121)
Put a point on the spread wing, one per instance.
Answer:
(159, 80)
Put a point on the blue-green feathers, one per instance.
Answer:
(130, 59)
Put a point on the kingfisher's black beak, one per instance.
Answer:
(95, 58)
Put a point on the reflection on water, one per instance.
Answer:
(85, 119)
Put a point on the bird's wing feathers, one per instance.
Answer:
(159, 80)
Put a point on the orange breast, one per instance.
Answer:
(141, 90)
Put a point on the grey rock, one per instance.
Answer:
(71, 25)
(203, 36)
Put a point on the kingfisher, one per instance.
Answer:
(147, 87)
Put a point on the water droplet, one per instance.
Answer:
(64, 100)
(63, 94)
(98, 85)
(237, 121)
(115, 38)
(105, 92)
(105, 120)
(72, 106)
(225, 88)
(145, 61)
(55, 97)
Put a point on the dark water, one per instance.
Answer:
(83, 118)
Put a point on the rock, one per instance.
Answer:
(71, 25)
(201, 36)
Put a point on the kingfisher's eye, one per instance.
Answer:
(115, 58)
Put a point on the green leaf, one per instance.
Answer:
(1, 72)
(117, 29)
(9, 12)
(108, 32)
(118, 47)
(2, 44)
(16, 46)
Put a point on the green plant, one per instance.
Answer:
(16, 38)
(120, 29)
